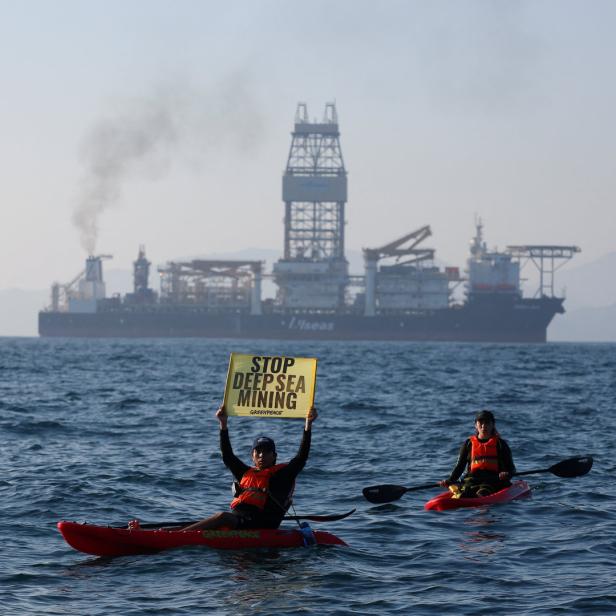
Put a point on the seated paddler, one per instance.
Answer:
(487, 459)
(263, 491)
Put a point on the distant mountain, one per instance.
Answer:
(19, 311)
(589, 285)
(118, 281)
(246, 254)
(590, 303)
(584, 325)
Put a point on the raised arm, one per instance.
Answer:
(230, 460)
(297, 463)
(312, 415)
(221, 415)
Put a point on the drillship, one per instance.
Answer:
(402, 294)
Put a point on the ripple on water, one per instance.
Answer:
(110, 430)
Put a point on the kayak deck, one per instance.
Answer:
(445, 501)
(111, 541)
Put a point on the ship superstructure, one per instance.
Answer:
(490, 272)
(403, 294)
(214, 285)
(84, 291)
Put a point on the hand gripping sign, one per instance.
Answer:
(263, 386)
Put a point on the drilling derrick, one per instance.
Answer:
(313, 275)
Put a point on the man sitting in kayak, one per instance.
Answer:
(487, 458)
(265, 489)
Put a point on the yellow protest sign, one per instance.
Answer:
(264, 386)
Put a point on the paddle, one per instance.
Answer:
(389, 492)
(321, 518)
(572, 467)
(312, 518)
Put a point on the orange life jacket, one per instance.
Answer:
(484, 456)
(254, 488)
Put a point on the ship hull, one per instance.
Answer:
(525, 320)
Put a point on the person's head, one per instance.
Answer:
(485, 424)
(263, 452)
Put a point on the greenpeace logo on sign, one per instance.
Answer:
(311, 326)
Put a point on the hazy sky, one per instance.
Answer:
(168, 123)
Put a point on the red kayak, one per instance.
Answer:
(445, 501)
(110, 541)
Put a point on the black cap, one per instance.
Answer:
(485, 415)
(264, 442)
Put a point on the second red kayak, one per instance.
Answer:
(111, 541)
(445, 501)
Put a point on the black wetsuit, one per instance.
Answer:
(280, 485)
(487, 481)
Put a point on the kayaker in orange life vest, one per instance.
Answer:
(487, 458)
(265, 489)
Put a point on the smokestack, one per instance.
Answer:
(94, 269)
(92, 286)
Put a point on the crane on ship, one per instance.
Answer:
(397, 249)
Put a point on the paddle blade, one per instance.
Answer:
(383, 493)
(573, 467)
(321, 518)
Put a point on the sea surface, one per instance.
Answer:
(109, 430)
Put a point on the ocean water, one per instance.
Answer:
(107, 431)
